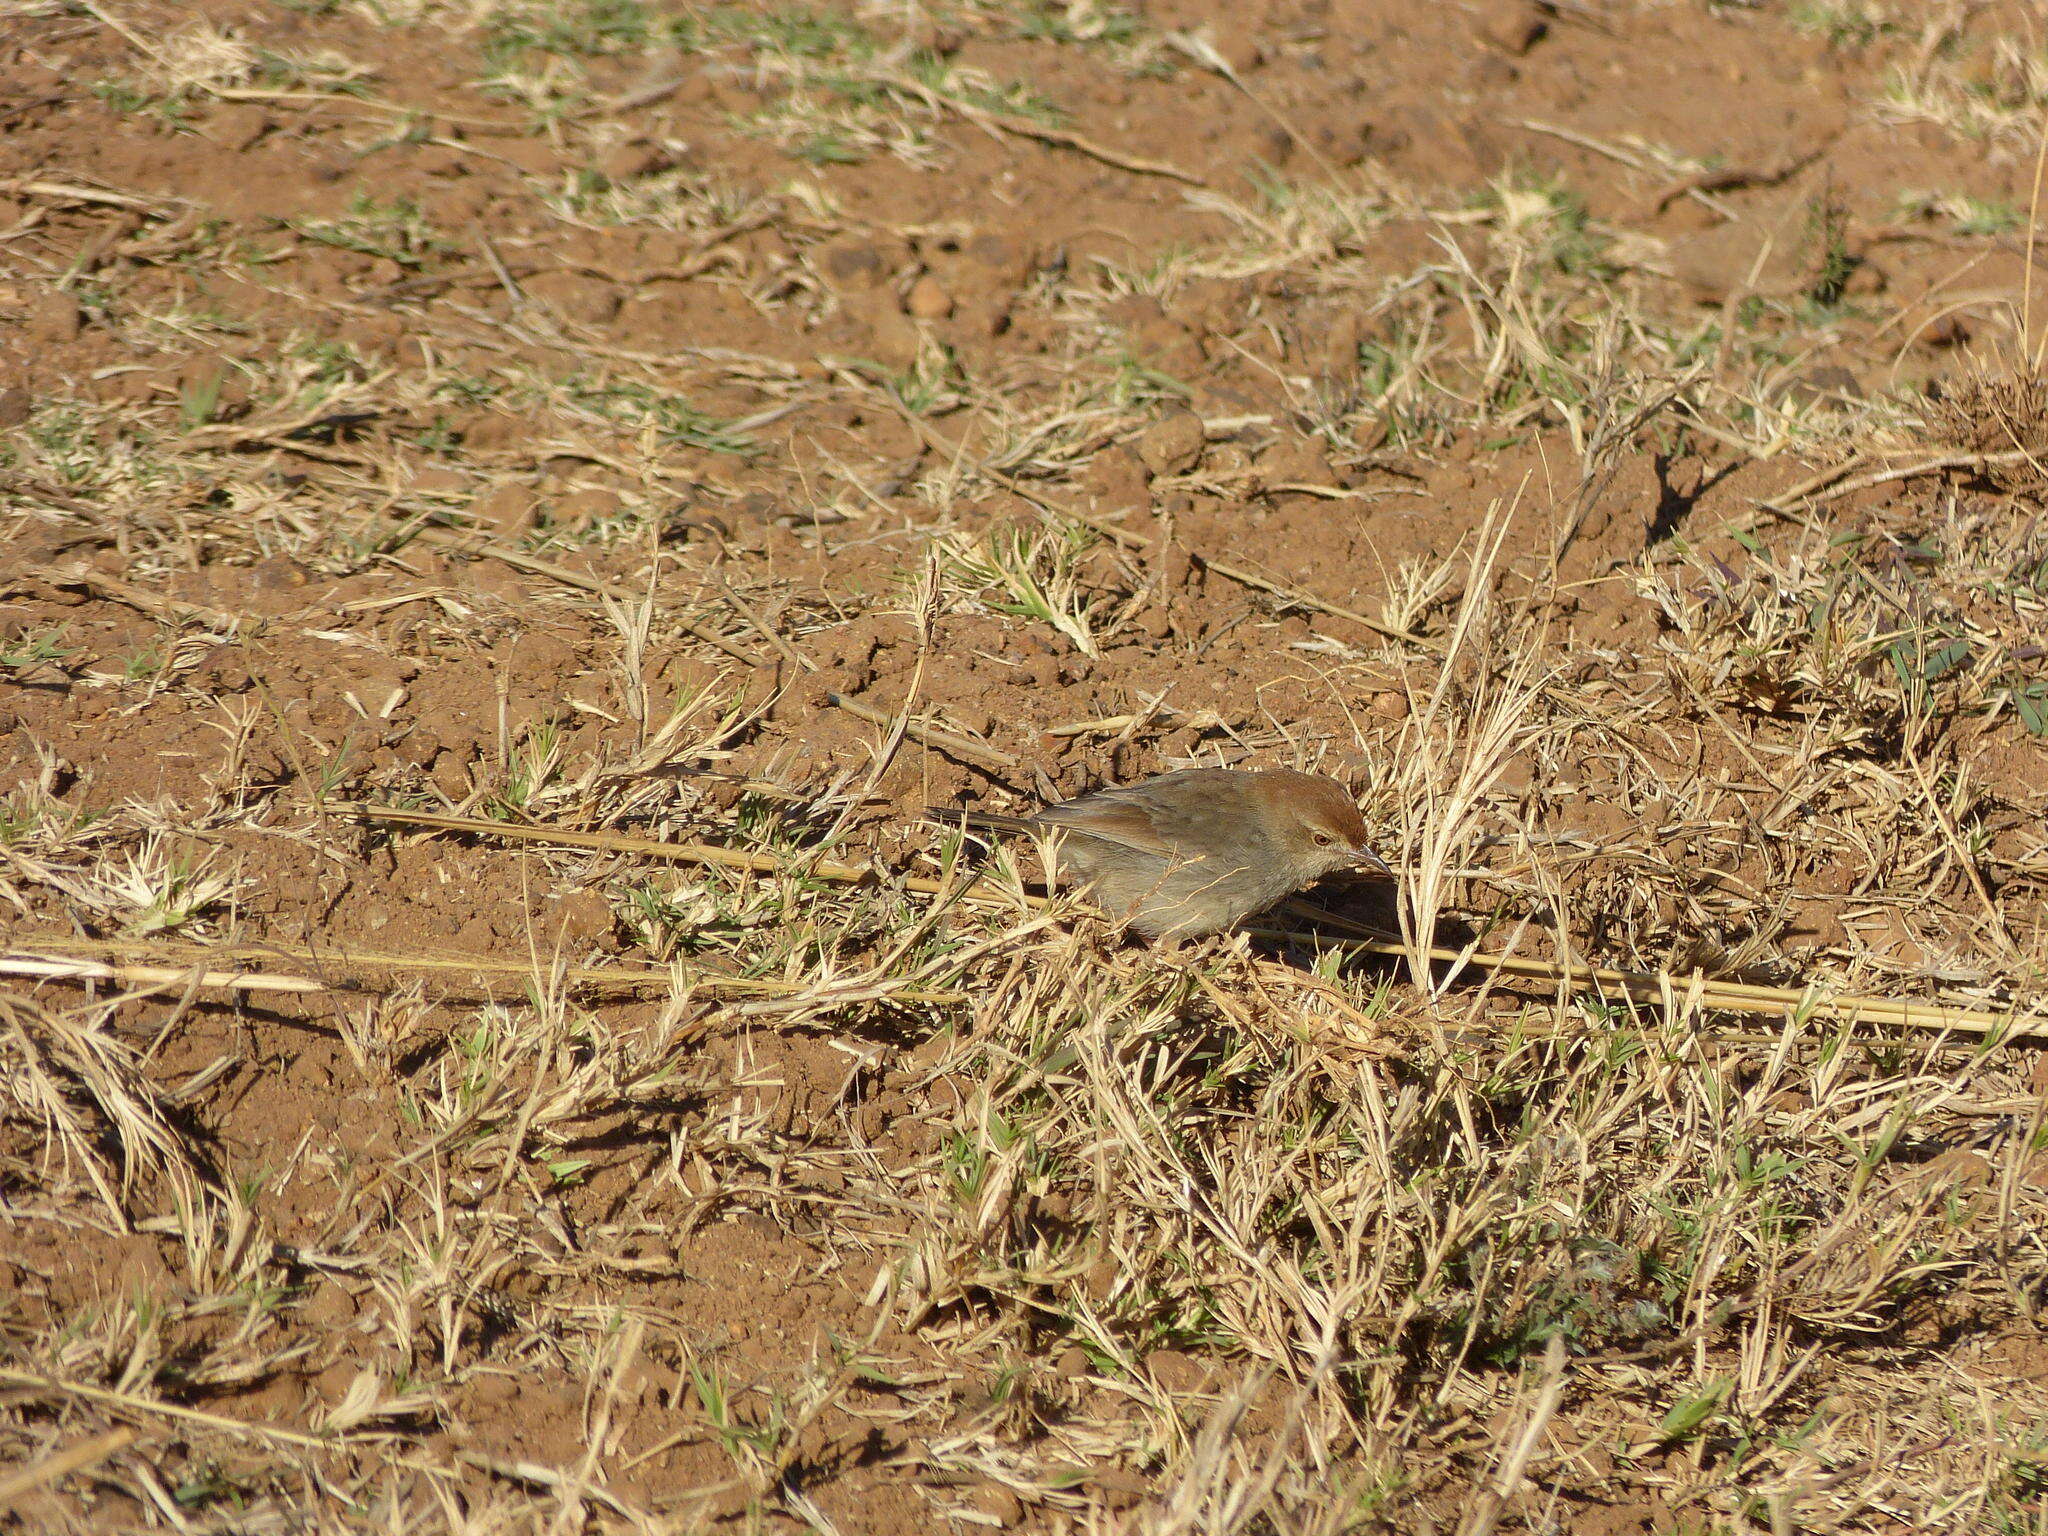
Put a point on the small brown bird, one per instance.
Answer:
(1194, 852)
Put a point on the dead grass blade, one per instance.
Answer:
(97, 1109)
(967, 749)
(86, 1453)
(154, 976)
(613, 978)
(1698, 990)
(679, 853)
(1023, 127)
(133, 1403)
(1819, 490)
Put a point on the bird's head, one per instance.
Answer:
(1320, 824)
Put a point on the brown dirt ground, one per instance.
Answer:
(278, 357)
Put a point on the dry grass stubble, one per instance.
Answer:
(1066, 1236)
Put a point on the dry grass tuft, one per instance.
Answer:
(483, 1048)
(2000, 414)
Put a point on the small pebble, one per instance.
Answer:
(928, 299)
(1172, 444)
(1518, 33)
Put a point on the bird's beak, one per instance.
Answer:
(1365, 858)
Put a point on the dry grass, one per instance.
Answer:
(1274, 1236)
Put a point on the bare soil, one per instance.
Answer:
(615, 417)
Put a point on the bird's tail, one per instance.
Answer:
(957, 817)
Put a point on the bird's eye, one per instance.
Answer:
(1325, 839)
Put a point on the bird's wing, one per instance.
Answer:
(1108, 816)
